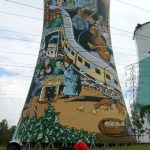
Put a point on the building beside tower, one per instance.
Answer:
(142, 38)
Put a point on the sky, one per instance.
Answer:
(18, 57)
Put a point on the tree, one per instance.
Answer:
(6, 133)
(137, 120)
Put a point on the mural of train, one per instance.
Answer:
(98, 70)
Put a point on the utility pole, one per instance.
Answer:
(131, 73)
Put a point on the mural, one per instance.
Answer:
(75, 92)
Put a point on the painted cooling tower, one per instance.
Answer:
(75, 93)
(142, 37)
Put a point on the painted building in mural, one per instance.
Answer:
(75, 92)
(142, 38)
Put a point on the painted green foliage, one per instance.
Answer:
(48, 130)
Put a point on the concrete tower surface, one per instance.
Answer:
(75, 92)
(142, 38)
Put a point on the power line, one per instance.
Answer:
(43, 9)
(23, 4)
(133, 6)
(21, 33)
(10, 38)
(16, 53)
(11, 98)
(13, 14)
(8, 13)
(21, 83)
(19, 77)
(22, 66)
(37, 55)
(39, 35)
(107, 26)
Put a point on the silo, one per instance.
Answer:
(75, 93)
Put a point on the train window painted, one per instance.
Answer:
(115, 82)
(97, 71)
(68, 49)
(108, 76)
(87, 64)
(72, 53)
(66, 45)
(80, 59)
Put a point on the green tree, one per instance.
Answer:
(6, 133)
(137, 120)
(145, 115)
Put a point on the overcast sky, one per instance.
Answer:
(16, 67)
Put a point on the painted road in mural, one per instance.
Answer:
(75, 93)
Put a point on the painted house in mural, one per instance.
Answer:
(75, 92)
(142, 38)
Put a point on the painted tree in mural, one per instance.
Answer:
(75, 92)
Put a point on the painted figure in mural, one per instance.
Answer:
(38, 88)
(78, 21)
(60, 68)
(72, 83)
(93, 42)
(57, 22)
(102, 28)
(48, 68)
(69, 3)
(86, 38)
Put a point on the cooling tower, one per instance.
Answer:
(142, 38)
(75, 92)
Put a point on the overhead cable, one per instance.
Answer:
(8, 13)
(17, 53)
(10, 38)
(2, 30)
(148, 11)
(43, 9)
(23, 4)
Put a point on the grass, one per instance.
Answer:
(133, 147)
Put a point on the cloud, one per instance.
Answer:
(6, 72)
(12, 97)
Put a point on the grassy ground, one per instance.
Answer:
(134, 147)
